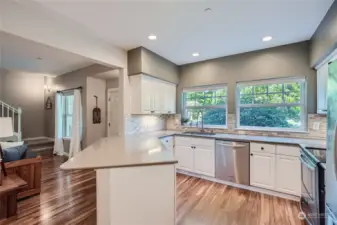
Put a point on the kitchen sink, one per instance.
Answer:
(198, 133)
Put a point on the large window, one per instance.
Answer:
(68, 102)
(207, 101)
(272, 104)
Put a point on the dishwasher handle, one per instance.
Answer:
(229, 145)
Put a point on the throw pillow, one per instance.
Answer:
(14, 153)
(5, 145)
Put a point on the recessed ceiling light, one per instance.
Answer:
(195, 54)
(267, 38)
(152, 37)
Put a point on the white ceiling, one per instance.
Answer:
(182, 26)
(21, 55)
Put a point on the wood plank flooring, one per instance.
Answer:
(70, 198)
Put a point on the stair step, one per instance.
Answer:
(39, 142)
(40, 149)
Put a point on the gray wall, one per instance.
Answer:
(324, 40)
(95, 86)
(113, 83)
(25, 90)
(285, 61)
(142, 60)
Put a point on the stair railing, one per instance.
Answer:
(15, 113)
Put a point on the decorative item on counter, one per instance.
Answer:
(49, 104)
(184, 121)
(96, 114)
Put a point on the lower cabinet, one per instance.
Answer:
(204, 161)
(184, 155)
(279, 171)
(262, 170)
(288, 173)
(195, 155)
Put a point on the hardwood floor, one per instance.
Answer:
(70, 198)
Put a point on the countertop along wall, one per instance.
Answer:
(284, 61)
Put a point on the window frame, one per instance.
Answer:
(205, 88)
(302, 104)
(65, 115)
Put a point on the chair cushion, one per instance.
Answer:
(5, 145)
(14, 153)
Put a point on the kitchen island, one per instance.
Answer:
(135, 177)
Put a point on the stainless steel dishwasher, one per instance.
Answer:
(232, 161)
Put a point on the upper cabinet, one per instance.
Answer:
(322, 78)
(152, 96)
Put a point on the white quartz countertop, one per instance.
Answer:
(146, 149)
(122, 151)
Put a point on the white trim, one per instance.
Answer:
(66, 154)
(110, 90)
(303, 104)
(249, 188)
(205, 87)
(329, 58)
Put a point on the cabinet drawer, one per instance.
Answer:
(183, 141)
(262, 148)
(203, 142)
(288, 150)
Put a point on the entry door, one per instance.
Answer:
(113, 112)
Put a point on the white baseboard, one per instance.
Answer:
(249, 188)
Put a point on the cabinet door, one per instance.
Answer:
(322, 79)
(288, 174)
(184, 155)
(147, 101)
(204, 161)
(262, 170)
(171, 98)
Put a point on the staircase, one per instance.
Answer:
(15, 113)
(42, 146)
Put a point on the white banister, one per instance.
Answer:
(16, 121)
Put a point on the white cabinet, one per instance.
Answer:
(200, 152)
(204, 161)
(152, 96)
(288, 174)
(262, 170)
(322, 81)
(168, 142)
(276, 167)
(184, 155)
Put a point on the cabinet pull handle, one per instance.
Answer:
(152, 111)
(251, 154)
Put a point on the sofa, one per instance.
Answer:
(27, 165)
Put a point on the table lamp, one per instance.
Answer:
(6, 130)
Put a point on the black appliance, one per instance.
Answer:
(313, 185)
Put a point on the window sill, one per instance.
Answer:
(206, 127)
(271, 130)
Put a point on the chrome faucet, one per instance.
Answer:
(202, 121)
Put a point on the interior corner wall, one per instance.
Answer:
(96, 87)
(324, 40)
(284, 61)
(25, 90)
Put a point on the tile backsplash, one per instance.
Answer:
(173, 123)
(144, 123)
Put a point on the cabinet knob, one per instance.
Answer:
(262, 148)
(251, 154)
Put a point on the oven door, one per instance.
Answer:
(309, 190)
